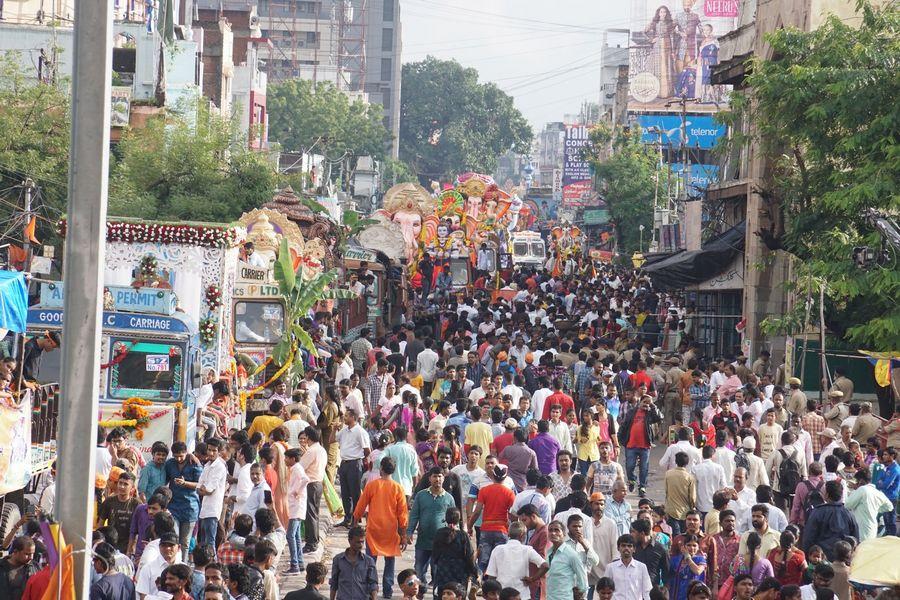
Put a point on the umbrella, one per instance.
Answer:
(875, 562)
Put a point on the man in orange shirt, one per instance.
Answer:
(495, 501)
(386, 520)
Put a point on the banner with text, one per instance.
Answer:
(577, 188)
(674, 46)
(701, 131)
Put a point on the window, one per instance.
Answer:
(537, 248)
(149, 370)
(386, 99)
(258, 322)
(386, 70)
(387, 40)
(520, 249)
(388, 10)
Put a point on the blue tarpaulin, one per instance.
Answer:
(13, 301)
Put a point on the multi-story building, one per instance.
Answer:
(354, 44)
(232, 78)
(549, 151)
(747, 168)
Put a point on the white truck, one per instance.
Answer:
(528, 249)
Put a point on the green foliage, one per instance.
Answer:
(394, 172)
(626, 171)
(34, 140)
(450, 123)
(826, 109)
(302, 116)
(299, 298)
(175, 170)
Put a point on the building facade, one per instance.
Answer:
(354, 44)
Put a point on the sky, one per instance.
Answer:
(544, 53)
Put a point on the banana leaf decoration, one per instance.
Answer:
(300, 297)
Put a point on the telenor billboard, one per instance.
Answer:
(702, 131)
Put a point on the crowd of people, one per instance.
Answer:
(504, 445)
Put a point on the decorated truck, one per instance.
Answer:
(164, 324)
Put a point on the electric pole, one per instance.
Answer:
(29, 187)
(685, 167)
(85, 256)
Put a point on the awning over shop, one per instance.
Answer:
(688, 268)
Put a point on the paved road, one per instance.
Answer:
(336, 538)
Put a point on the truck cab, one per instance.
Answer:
(149, 350)
(528, 248)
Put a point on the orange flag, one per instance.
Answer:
(62, 588)
(29, 231)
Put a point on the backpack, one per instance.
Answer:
(813, 497)
(741, 460)
(788, 473)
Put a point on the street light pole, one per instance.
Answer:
(85, 252)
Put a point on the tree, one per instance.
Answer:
(304, 115)
(172, 169)
(394, 172)
(34, 141)
(451, 123)
(825, 109)
(626, 171)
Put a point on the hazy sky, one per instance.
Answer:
(544, 53)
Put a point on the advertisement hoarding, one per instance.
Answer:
(577, 188)
(674, 45)
(701, 177)
(702, 131)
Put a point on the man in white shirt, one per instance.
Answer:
(256, 499)
(724, 457)
(718, 378)
(560, 429)
(667, 462)
(169, 551)
(355, 447)
(540, 395)
(240, 492)
(211, 488)
(344, 366)
(313, 462)
(426, 365)
(509, 562)
(710, 479)
(295, 426)
(630, 576)
(296, 500)
(349, 400)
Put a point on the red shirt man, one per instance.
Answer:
(558, 397)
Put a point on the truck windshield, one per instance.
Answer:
(258, 322)
(149, 370)
(520, 248)
(537, 249)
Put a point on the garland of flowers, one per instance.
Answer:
(213, 297)
(207, 236)
(135, 417)
(207, 330)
